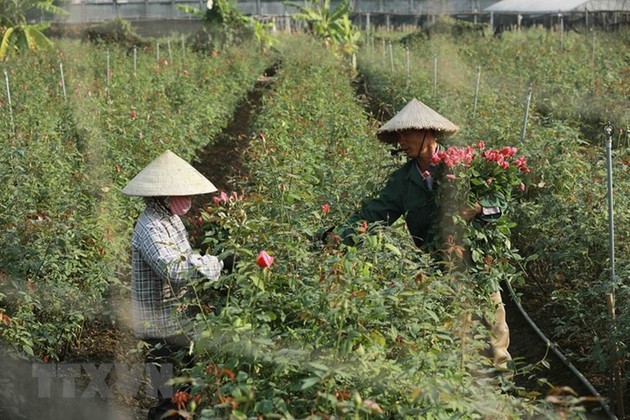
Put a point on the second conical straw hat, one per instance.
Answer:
(168, 175)
(416, 116)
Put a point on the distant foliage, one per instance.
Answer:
(331, 25)
(446, 25)
(17, 33)
(117, 31)
(223, 25)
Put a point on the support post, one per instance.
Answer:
(434, 74)
(617, 383)
(474, 112)
(6, 79)
(526, 113)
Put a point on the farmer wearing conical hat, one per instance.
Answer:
(162, 259)
(410, 192)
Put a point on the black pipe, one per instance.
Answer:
(559, 354)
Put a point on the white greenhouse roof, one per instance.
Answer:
(557, 6)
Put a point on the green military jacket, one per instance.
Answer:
(406, 194)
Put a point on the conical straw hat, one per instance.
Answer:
(418, 116)
(168, 175)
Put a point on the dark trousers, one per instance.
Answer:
(172, 351)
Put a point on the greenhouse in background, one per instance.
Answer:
(367, 14)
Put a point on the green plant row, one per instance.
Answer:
(374, 331)
(579, 80)
(81, 123)
(563, 220)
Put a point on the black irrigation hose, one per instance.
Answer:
(559, 354)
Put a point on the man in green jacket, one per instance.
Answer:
(410, 192)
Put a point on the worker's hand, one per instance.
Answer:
(468, 212)
(328, 236)
(208, 265)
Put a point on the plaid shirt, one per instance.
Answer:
(163, 264)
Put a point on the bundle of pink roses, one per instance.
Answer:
(490, 174)
(474, 174)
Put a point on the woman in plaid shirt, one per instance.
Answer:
(163, 261)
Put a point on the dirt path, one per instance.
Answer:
(222, 162)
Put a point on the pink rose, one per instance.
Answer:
(264, 260)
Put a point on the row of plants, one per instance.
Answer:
(578, 83)
(302, 328)
(563, 221)
(81, 122)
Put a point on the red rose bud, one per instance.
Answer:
(264, 260)
(363, 228)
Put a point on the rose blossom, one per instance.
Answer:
(264, 260)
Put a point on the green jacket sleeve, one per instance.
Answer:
(387, 208)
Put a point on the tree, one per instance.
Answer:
(333, 26)
(223, 22)
(17, 33)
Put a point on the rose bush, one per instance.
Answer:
(374, 330)
(561, 223)
(64, 158)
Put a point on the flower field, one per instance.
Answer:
(301, 327)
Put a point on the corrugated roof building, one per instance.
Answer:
(560, 14)
(558, 6)
(384, 13)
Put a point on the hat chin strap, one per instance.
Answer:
(424, 137)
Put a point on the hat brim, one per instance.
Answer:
(391, 136)
(416, 116)
(168, 175)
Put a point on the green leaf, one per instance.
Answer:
(394, 249)
(28, 350)
(319, 366)
(35, 39)
(51, 8)
(309, 382)
(6, 42)
(257, 281)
